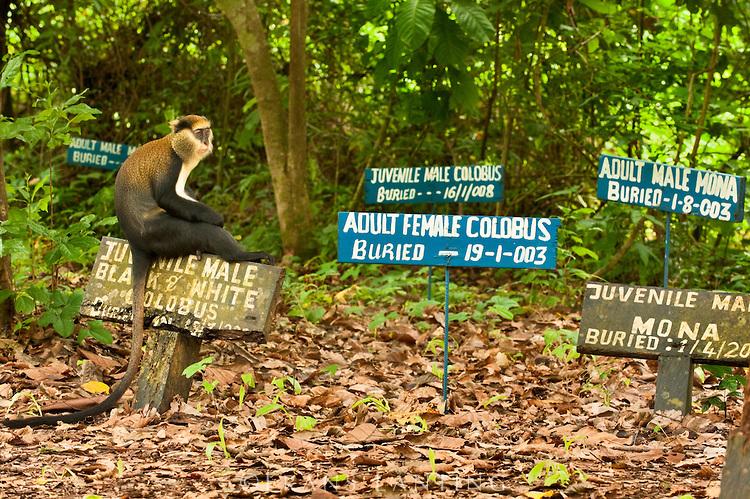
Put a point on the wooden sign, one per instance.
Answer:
(205, 297)
(646, 322)
(675, 189)
(434, 184)
(452, 240)
(97, 154)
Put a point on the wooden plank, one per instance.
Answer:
(167, 355)
(206, 297)
(648, 322)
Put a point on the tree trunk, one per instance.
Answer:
(285, 141)
(7, 310)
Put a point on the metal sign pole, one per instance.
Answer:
(429, 282)
(674, 379)
(447, 254)
(666, 249)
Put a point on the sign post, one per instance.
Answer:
(435, 184)
(448, 241)
(672, 189)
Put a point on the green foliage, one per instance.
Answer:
(725, 381)
(221, 443)
(304, 423)
(561, 343)
(432, 477)
(552, 472)
(197, 367)
(380, 404)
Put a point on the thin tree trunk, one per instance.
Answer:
(288, 168)
(706, 92)
(7, 310)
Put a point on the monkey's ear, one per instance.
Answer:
(179, 124)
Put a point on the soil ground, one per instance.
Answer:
(379, 430)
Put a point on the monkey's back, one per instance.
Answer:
(135, 196)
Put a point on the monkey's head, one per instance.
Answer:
(192, 138)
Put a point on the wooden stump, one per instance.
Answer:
(167, 354)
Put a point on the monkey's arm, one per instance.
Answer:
(167, 198)
(192, 211)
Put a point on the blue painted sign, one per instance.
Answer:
(452, 240)
(675, 189)
(434, 184)
(98, 154)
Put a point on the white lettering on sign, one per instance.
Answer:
(622, 169)
(717, 184)
(658, 296)
(676, 177)
(633, 194)
(478, 173)
(397, 175)
(385, 194)
(90, 158)
(392, 251)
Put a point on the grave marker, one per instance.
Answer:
(711, 327)
(672, 189)
(434, 184)
(190, 298)
(450, 241)
(473, 241)
(97, 153)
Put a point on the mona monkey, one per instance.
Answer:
(160, 219)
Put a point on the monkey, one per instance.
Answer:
(160, 218)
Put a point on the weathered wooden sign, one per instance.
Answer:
(674, 189)
(98, 154)
(205, 297)
(640, 321)
(452, 240)
(434, 184)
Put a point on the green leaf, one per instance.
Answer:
(268, 408)
(582, 251)
(450, 47)
(473, 20)
(535, 472)
(600, 6)
(414, 21)
(17, 129)
(248, 379)
(12, 68)
(24, 303)
(465, 95)
(192, 369)
(96, 330)
(210, 449)
(304, 423)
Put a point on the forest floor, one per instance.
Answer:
(380, 433)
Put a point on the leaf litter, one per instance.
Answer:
(371, 401)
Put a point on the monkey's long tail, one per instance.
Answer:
(141, 265)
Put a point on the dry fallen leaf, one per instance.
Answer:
(95, 387)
